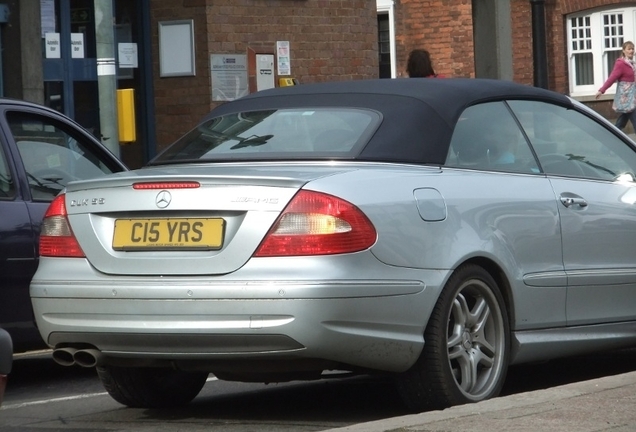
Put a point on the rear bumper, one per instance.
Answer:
(364, 323)
(376, 333)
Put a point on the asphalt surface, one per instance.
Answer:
(603, 404)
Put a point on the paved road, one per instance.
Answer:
(45, 397)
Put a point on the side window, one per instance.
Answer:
(51, 156)
(568, 143)
(487, 137)
(7, 187)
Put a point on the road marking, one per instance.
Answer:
(46, 401)
(65, 399)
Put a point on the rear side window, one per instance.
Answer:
(276, 134)
(487, 137)
(52, 156)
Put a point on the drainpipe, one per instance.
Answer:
(106, 74)
(539, 44)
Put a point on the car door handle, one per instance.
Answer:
(570, 201)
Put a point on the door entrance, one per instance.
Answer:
(70, 64)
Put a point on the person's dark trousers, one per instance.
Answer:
(623, 118)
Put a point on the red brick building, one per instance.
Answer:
(498, 39)
(183, 58)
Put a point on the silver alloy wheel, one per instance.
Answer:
(476, 339)
(466, 345)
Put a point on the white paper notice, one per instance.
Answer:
(52, 45)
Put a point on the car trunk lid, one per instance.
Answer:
(194, 220)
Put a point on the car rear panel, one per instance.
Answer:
(225, 304)
(242, 208)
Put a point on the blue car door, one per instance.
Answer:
(17, 253)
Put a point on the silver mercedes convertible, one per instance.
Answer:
(434, 230)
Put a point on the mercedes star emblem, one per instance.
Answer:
(163, 199)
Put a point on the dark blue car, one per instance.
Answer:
(41, 151)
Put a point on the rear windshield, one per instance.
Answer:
(276, 134)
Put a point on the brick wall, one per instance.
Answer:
(443, 27)
(329, 40)
(180, 101)
(522, 50)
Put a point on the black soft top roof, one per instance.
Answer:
(419, 114)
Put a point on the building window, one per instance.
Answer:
(386, 39)
(594, 43)
(384, 46)
(581, 34)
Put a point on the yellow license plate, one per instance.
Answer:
(174, 233)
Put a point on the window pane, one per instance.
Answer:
(584, 68)
(581, 34)
(51, 156)
(613, 30)
(384, 46)
(487, 137)
(611, 59)
(276, 134)
(571, 144)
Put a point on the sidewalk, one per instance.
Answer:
(604, 404)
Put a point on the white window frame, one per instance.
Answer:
(387, 7)
(597, 37)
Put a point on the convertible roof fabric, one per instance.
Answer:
(419, 113)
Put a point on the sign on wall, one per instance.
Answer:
(229, 76)
(282, 55)
(176, 48)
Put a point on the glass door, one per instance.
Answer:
(69, 58)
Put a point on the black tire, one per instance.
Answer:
(466, 345)
(151, 387)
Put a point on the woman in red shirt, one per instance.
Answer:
(624, 70)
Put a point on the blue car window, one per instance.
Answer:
(487, 137)
(569, 143)
(51, 156)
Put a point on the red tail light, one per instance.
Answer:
(314, 223)
(56, 237)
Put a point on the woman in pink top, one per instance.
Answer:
(624, 70)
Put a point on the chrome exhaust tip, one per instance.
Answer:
(88, 357)
(64, 356)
